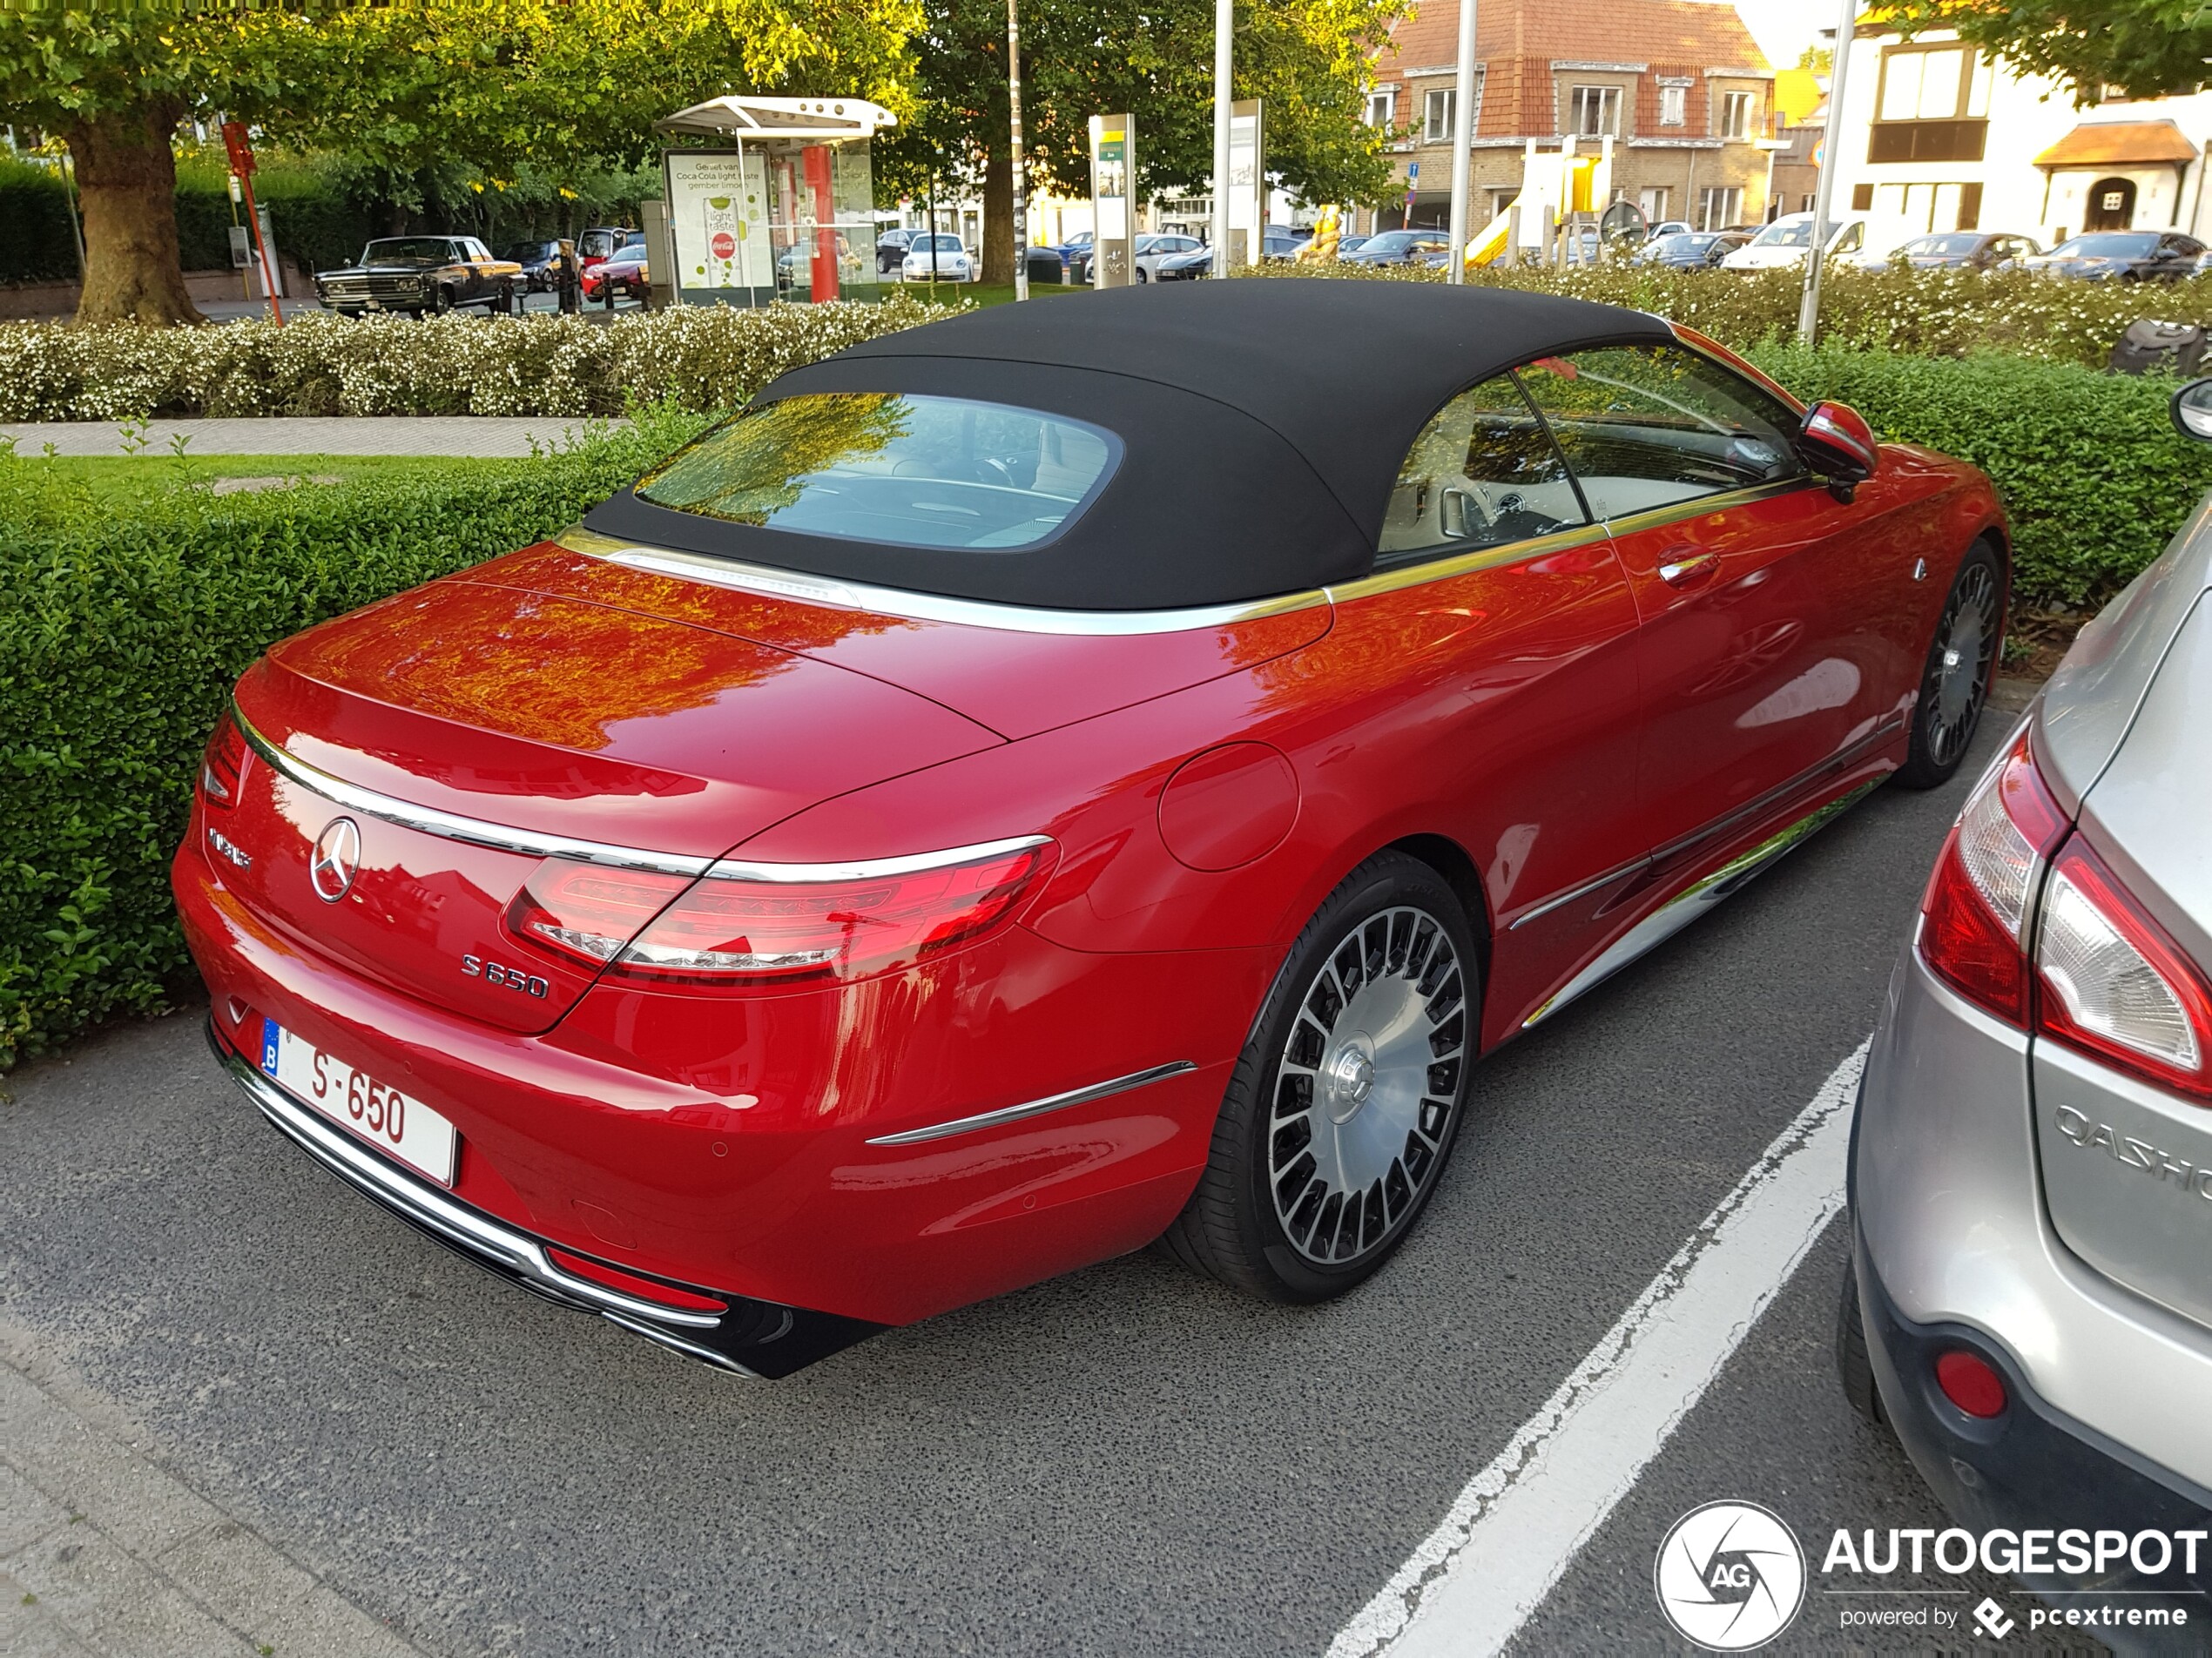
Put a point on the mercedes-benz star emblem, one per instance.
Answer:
(338, 856)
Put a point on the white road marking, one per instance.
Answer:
(1520, 1523)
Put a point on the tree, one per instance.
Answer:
(2146, 48)
(495, 82)
(1310, 59)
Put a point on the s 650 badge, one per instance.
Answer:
(512, 978)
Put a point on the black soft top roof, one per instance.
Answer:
(1264, 422)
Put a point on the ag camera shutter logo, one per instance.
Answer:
(1729, 1576)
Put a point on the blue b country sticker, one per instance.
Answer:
(272, 1034)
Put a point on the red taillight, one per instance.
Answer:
(1978, 899)
(222, 766)
(1971, 1382)
(751, 930)
(2111, 982)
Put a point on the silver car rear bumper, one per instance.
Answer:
(1949, 1208)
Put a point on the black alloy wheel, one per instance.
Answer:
(1962, 660)
(1345, 1106)
(442, 300)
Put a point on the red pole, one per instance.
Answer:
(241, 151)
(824, 264)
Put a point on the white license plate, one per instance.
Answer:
(395, 1125)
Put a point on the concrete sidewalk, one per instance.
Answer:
(449, 435)
(101, 1553)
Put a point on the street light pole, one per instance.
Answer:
(1824, 197)
(1462, 143)
(1021, 192)
(1224, 35)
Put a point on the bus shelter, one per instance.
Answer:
(783, 208)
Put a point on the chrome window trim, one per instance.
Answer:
(337, 1151)
(1444, 568)
(474, 831)
(906, 605)
(1722, 501)
(1034, 1107)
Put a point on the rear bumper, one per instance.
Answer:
(2031, 1468)
(806, 1150)
(756, 1338)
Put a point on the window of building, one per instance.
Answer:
(1439, 110)
(1382, 107)
(1718, 205)
(1805, 202)
(1920, 208)
(1862, 198)
(1653, 200)
(1592, 111)
(1674, 104)
(1735, 115)
(1933, 104)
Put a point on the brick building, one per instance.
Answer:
(1681, 85)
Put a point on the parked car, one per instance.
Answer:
(625, 272)
(1691, 250)
(1349, 245)
(1184, 267)
(1669, 227)
(2028, 1306)
(540, 263)
(603, 241)
(1150, 250)
(419, 273)
(1399, 247)
(1958, 250)
(2122, 256)
(940, 257)
(1785, 240)
(890, 249)
(1112, 849)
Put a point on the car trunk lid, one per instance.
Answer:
(467, 730)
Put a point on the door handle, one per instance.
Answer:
(1691, 570)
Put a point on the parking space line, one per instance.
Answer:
(1519, 1524)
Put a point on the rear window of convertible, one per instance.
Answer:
(893, 469)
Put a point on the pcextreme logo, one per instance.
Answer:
(1729, 1576)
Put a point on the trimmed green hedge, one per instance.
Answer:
(122, 627)
(38, 245)
(2094, 475)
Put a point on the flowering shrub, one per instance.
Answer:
(700, 357)
(1931, 313)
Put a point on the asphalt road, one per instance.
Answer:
(1126, 1460)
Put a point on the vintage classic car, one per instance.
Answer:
(421, 273)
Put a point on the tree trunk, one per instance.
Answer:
(999, 252)
(126, 182)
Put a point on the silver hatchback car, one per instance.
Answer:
(2030, 1300)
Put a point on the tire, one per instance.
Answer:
(441, 301)
(1142, 275)
(1854, 1368)
(1330, 1138)
(1962, 660)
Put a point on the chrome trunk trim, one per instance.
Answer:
(476, 832)
(451, 826)
(1034, 1107)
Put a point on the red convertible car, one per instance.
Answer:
(1057, 779)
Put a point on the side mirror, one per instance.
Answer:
(2192, 410)
(1837, 440)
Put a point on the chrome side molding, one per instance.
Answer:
(1034, 1107)
(1694, 900)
